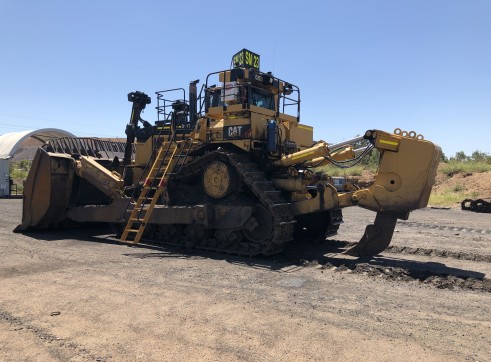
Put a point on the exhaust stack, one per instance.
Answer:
(193, 103)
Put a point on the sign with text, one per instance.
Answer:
(246, 59)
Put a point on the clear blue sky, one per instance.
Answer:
(417, 65)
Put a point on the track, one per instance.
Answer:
(258, 192)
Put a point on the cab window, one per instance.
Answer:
(261, 98)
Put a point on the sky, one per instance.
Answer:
(417, 65)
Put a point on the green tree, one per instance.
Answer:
(25, 165)
(461, 156)
(479, 156)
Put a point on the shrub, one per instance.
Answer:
(453, 167)
(458, 188)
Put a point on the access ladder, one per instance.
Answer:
(155, 181)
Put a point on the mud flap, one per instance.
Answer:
(377, 236)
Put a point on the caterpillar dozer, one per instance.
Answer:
(229, 168)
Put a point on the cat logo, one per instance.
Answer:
(234, 132)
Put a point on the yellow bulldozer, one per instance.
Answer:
(229, 168)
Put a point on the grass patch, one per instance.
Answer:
(454, 167)
(446, 198)
(451, 196)
(458, 188)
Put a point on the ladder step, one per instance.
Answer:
(132, 230)
(131, 224)
(139, 204)
(141, 210)
(145, 199)
(135, 219)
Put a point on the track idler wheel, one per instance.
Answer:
(377, 237)
(260, 226)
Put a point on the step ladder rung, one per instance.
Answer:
(139, 204)
(150, 188)
(132, 230)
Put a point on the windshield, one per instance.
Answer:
(261, 98)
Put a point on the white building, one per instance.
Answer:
(10, 142)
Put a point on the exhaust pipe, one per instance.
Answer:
(193, 103)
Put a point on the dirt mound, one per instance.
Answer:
(479, 184)
(462, 185)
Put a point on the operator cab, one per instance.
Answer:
(244, 84)
(256, 111)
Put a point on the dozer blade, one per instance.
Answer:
(46, 191)
(377, 236)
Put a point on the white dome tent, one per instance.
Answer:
(10, 142)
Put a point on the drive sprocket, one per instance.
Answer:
(219, 180)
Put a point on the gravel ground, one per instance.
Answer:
(78, 295)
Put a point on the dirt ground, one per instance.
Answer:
(81, 296)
